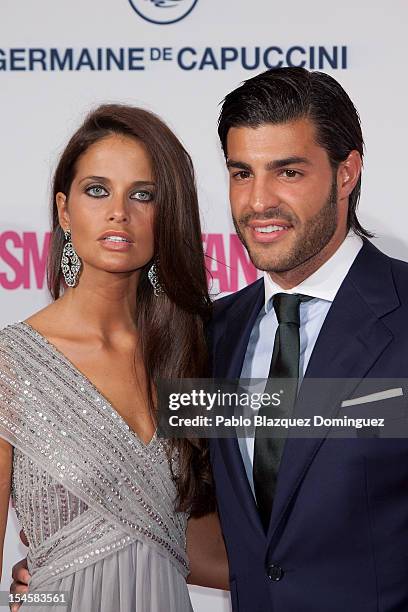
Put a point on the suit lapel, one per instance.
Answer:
(228, 361)
(230, 351)
(352, 338)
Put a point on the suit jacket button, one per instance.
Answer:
(275, 572)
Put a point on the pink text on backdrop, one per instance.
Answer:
(23, 259)
(228, 271)
(25, 256)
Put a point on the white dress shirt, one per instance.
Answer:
(323, 285)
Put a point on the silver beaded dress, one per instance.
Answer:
(95, 502)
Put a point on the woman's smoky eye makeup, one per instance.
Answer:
(99, 191)
(143, 195)
(96, 191)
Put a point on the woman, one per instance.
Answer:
(102, 500)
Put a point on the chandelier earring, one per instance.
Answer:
(70, 262)
(154, 280)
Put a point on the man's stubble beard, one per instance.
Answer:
(315, 235)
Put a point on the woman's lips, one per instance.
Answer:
(116, 243)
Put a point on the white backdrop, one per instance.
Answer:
(54, 67)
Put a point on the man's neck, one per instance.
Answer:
(291, 278)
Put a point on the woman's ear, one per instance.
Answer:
(63, 215)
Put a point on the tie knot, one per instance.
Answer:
(286, 306)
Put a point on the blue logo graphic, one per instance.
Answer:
(164, 3)
(163, 12)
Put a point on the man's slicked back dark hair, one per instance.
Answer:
(281, 95)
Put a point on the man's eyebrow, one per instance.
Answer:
(287, 161)
(273, 165)
(105, 179)
(231, 163)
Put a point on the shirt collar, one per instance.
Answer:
(326, 281)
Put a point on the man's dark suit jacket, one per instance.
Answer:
(338, 536)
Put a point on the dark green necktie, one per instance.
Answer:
(284, 365)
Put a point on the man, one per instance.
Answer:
(310, 525)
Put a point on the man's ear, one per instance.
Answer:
(348, 174)
(63, 215)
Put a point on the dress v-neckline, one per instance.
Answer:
(89, 383)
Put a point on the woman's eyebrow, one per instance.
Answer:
(105, 179)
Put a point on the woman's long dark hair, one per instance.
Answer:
(171, 326)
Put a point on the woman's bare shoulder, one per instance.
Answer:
(42, 321)
(45, 320)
